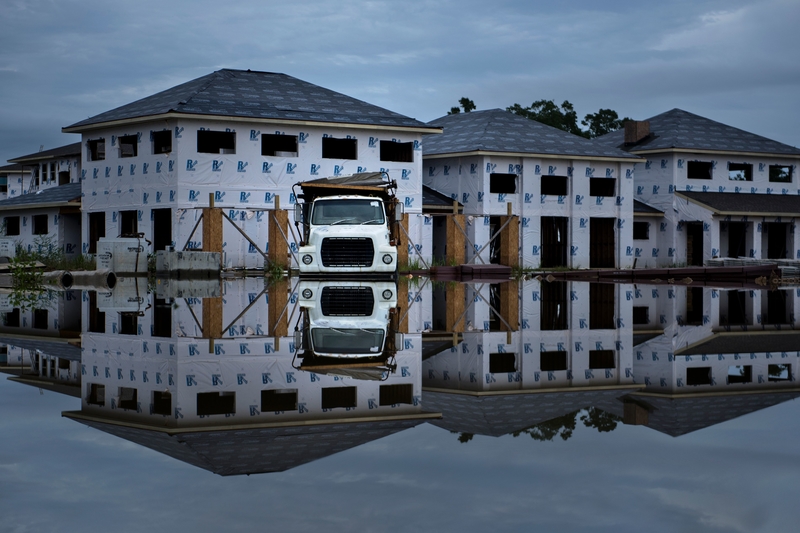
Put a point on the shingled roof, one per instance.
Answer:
(501, 131)
(256, 95)
(725, 203)
(68, 150)
(62, 195)
(679, 129)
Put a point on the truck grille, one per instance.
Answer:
(347, 252)
(347, 301)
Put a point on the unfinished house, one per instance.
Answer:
(532, 195)
(239, 139)
(723, 192)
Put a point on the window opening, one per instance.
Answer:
(779, 372)
(128, 323)
(97, 230)
(554, 241)
(740, 374)
(599, 359)
(97, 394)
(776, 240)
(162, 141)
(641, 315)
(554, 185)
(500, 363)
(39, 223)
(63, 178)
(162, 228)
(11, 318)
(602, 187)
(776, 308)
(700, 375)
(694, 306)
(97, 318)
(128, 145)
(502, 183)
(96, 149)
(128, 224)
(128, 398)
(641, 231)
(740, 172)
(780, 174)
(602, 306)
(216, 142)
(553, 316)
(12, 226)
(694, 243)
(699, 170)
(333, 148)
(737, 309)
(162, 403)
(396, 394)
(216, 403)
(553, 361)
(336, 397)
(397, 151)
(162, 318)
(275, 400)
(278, 145)
(40, 318)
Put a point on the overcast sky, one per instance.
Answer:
(734, 61)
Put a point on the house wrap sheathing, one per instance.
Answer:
(243, 138)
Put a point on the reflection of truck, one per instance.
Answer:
(350, 225)
(347, 319)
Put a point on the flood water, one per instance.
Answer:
(234, 405)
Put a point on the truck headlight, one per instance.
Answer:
(307, 293)
(387, 294)
(308, 259)
(387, 259)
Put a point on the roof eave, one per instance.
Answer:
(230, 118)
(44, 205)
(715, 152)
(473, 153)
(736, 213)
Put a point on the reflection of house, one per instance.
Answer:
(47, 364)
(574, 198)
(243, 138)
(724, 192)
(56, 314)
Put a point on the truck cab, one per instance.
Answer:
(348, 234)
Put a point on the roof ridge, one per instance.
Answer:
(211, 79)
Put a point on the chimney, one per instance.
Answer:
(636, 130)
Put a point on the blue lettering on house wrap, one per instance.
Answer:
(589, 172)
(338, 169)
(241, 166)
(178, 132)
(216, 165)
(290, 167)
(191, 165)
(266, 168)
(254, 135)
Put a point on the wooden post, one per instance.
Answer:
(456, 241)
(212, 228)
(509, 240)
(278, 313)
(454, 294)
(509, 305)
(402, 249)
(278, 252)
(212, 318)
(402, 306)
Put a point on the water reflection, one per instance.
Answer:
(236, 376)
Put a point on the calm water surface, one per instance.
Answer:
(591, 426)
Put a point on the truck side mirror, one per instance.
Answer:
(298, 213)
(398, 212)
(298, 340)
(399, 342)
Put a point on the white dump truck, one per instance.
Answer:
(349, 226)
(347, 322)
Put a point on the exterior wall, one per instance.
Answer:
(239, 183)
(646, 251)
(467, 180)
(662, 174)
(62, 230)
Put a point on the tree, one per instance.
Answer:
(547, 112)
(600, 420)
(602, 122)
(466, 104)
(561, 426)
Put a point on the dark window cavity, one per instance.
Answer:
(503, 183)
(128, 223)
(699, 170)
(553, 361)
(500, 363)
(602, 187)
(97, 394)
(63, 177)
(779, 372)
(216, 142)
(96, 149)
(740, 374)
(216, 403)
(700, 375)
(780, 173)
(162, 403)
(162, 318)
(128, 145)
(641, 231)
(740, 172)
(97, 230)
(12, 225)
(278, 400)
(554, 306)
(554, 185)
(128, 323)
(396, 394)
(333, 148)
(40, 318)
(641, 315)
(11, 318)
(599, 359)
(279, 145)
(97, 318)
(39, 223)
(128, 398)
(397, 151)
(602, 305)
(162, 141)
(336, 397)
(694, 306)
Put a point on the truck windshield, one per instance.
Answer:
(347, 212)
(347, 341)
